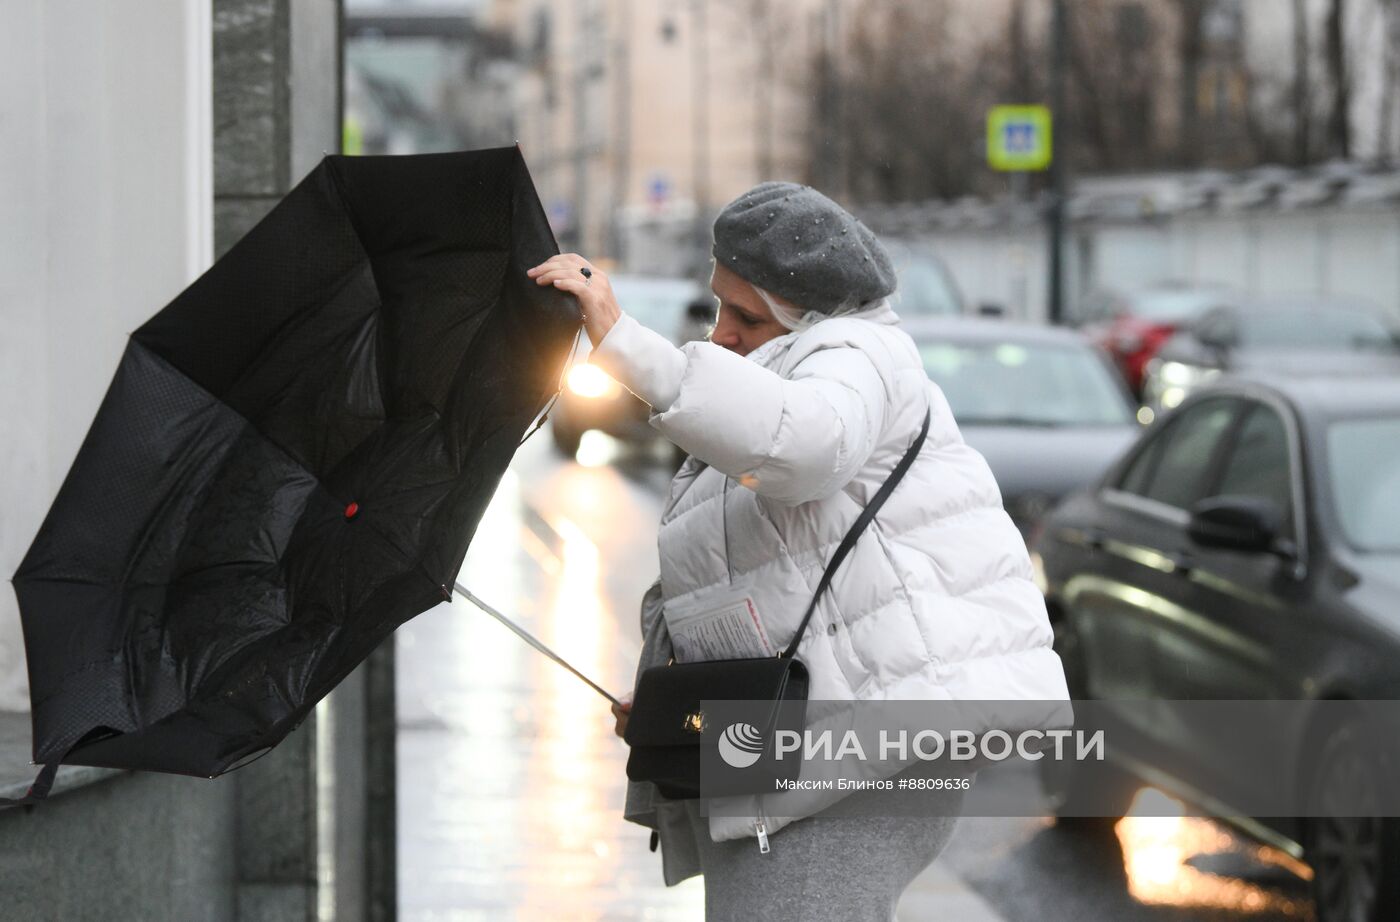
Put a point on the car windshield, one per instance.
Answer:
(1173, 305)
(655, 303)
(1325, 328)
(1366, 481)
(1002, 382)
(925, 290)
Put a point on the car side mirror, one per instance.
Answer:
(1237, 523)
(1216, 338)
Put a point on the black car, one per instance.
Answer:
(1281, 335)
(1248, 547)
(1044, 406)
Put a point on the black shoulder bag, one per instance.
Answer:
(665, 724)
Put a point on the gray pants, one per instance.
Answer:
(838, 868)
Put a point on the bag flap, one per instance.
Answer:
(668, 697)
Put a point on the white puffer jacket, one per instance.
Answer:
(936, 600)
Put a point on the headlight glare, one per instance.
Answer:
(591, 381)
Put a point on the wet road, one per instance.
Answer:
(511, 782)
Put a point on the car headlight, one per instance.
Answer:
(1179, 374)
(1173, 381)
(591, 381)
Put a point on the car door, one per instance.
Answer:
(1244, 613)
(1119, 602)
(1238, 599)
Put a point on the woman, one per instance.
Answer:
(794, 413)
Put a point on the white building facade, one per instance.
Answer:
(105, 214)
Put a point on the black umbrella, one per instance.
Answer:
(290, 462)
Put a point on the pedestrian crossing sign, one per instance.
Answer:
(1018, 138)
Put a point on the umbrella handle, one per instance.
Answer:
(533, 641)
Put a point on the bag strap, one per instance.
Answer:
(37, 791)
(848, 542)
(43, 781)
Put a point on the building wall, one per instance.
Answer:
(105, 184)
(607, 106)
(143, 846)
(107, 202)
(1345, 251)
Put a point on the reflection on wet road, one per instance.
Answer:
(1159, 868)
(511, 782)
(1187, 862)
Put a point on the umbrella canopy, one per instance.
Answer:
(291, 461)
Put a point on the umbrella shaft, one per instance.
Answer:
(533, 641)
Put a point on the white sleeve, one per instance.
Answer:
(791, 439)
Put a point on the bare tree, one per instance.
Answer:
(906, 107)
(1390, 77)
(1021, 85)
(1191, 55)
(1302, 84)
(1339, 119)
(901, 101)
(1117, 75)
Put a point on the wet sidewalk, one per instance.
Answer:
(511, 781)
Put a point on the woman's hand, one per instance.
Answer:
(621, 714)
(594, 293)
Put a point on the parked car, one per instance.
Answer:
(1132, 325)
(1283, 335)
(1247, 547)
(590, 398)
(1041, 404)
(926, 287)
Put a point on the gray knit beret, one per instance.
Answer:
(800, 245)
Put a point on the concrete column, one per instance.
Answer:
(275, 842)
(304, 849)
(381, 776)
(277, 79)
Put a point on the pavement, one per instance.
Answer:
(939, 894)
(511, 780)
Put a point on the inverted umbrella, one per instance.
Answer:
(290, 462)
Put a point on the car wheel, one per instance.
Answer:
(566, 439)
(1072, 790)
(1354, 858)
